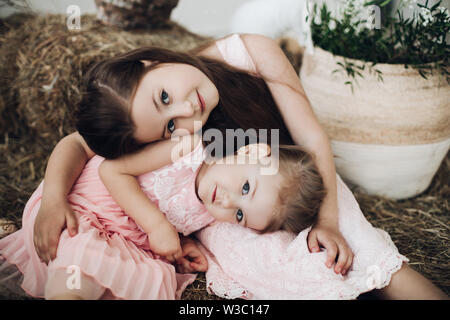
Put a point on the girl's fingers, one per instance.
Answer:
(52, 245)
(179, 254)
(182, 260)
(36, 244)
(45, 255)
(342, 260)
(201, 267)
(50, 250)
(201, 260)
(184, 265)
(72, 224)
(52, 253)
(331, 253)
(348, 264)
(192, 252)
(37, 247)
(313, 244)
(43, 251)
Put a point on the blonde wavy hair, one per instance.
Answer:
(301, 194)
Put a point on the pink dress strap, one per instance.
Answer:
(235, 53)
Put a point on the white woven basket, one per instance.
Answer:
(389, 137)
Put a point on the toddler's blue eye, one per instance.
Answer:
(164, 96)
(245, 188)
(239, 215)
(171, 126)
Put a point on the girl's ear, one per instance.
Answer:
(257, 150)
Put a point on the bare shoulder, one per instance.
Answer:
(210, 50)
(270, 61)
(269, 58)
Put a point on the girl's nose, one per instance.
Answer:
(227, 202)
(185, 109)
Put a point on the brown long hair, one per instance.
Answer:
(103, 116)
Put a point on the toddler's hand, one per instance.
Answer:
(51, 220)
(329, 237)
(164, 240)
(193, 260)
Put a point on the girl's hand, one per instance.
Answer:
(51, 220)
(164, 240)
(193, 260)
(328, 235)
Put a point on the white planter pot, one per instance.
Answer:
(388, 137)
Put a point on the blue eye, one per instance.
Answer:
(171, 126)
(164, 96)
(239, 215)
(245, 188)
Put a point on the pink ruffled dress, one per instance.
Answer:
(109, 246)
(245, 264)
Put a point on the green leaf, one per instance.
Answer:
(385, 3)
(435, 6)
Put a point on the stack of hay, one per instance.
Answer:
(41, 67)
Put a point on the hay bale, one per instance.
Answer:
(130, 14)
(8, 71)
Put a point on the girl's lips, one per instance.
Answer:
(214, 195)
(201, 101)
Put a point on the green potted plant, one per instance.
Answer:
(380, 86)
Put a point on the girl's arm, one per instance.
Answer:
(64, 166)
(288, 93)
(119, 177)
(295, 109)
(284, 84)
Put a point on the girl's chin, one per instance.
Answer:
(209, 207)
